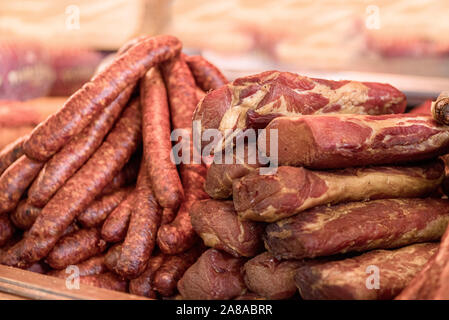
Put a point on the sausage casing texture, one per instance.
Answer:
(340, 141)
(221, 175)
(217, 223)
(99, 209)
(75, 153)
(94, 265)
(140, 238)
(101, 90)
(80, 190)
(11, 153)
(179, 235)
(181, 89)
(271, 278)
(24, 215)
(126, 177)
(214, 276)
(162, 171)
(172, 269)
(15, 180)
(207, 76)
(347, 278)
(112, 255)
(116, 224)
(7, 229)
(253, 101)
(357, 227)
(76, 247)
(168, 215)
(291, 190)
(143, 285)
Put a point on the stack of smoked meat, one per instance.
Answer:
(357, 186)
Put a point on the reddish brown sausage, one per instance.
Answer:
(324, 231)
(215, 275)
(75, 153)
(207, 76)
(94, 265)
(111, 257)
(100, 91)
(179, 235)
(253, 101)
(168, 215)
(340, 141)
(80, 190)
(217, 223)
(143, 285)
(127, 176)
(15, 180)
(116, 224)
(349, 279)
(141, 236)
(292, 190)
(173, 268)
(24, 215)
(11, 153)
(6, 229)
(76, 247)
(99, 209)
(157, 145)
(181, 92)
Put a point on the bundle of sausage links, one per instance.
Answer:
(94, 185)
(354, 210)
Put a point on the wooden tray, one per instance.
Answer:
(18, 284)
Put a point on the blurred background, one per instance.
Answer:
(50, 48)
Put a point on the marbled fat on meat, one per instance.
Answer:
(357, 227)
(339, 141)
(253, 101)
(292, 190)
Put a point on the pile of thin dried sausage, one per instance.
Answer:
(94, 185)
(358, 186)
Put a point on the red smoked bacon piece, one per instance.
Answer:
(292, 190)
(339, 141)
(253, 101)
(357, 227)
(346, 279)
